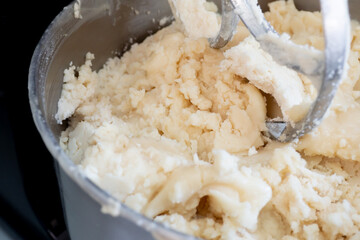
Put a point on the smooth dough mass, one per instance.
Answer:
(173, 129)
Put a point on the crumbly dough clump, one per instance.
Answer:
(173, 129)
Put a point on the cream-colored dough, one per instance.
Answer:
(173, 129)
(198, 17)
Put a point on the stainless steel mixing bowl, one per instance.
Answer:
(105, 29)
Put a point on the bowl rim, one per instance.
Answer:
(104, 198)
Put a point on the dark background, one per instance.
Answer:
(30, 206)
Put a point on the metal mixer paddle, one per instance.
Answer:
(325, 69)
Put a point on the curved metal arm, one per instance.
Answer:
(325, 74)
(229, 21)
(336, 25)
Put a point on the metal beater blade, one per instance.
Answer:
(325, 69)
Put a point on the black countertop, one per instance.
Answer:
(30, 206)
